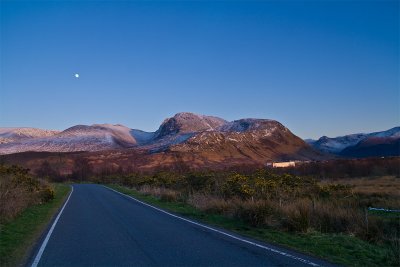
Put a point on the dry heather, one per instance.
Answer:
(160, 192)
(374, 191)
(388, 185)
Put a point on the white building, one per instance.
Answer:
(283, 164)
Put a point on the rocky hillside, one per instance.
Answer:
(258, 139)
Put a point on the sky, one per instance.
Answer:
(319, 67)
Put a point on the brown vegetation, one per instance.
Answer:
(63, 165)
(19, 190)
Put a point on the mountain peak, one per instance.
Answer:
(186, 122)
(323, 138)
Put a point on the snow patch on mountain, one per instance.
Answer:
(9, 135)
(263, 126)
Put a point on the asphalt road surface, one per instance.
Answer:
(99, 227)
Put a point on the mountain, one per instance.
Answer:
(257, 139)
(180, 128)
(185, 137)
(188, 123)
(358, 145)
(77, 138)
(374, 147)
(8, 135)
(337, 144)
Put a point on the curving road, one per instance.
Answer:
(100, 227)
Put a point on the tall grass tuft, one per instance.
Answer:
(164, 194)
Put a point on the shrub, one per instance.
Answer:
(334, 218)
(19, 190)
(14, 198)
(47, 194)
(297, 215)
(256, 213)
(210, 204)
(238, 185)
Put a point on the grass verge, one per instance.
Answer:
(19, 235)
(337, 248)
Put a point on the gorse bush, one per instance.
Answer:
(238, 186)
(46, 193)
(19, 190)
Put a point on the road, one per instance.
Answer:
(100, 227)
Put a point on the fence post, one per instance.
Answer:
(366, 217)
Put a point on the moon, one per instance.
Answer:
(76, 75)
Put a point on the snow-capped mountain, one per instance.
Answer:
(256, 139)
(339, 145)
(113, 135)
(188, 123)
(76, 138)
(181, 127)
(8, 135)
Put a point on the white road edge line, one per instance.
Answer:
(221, 232)
(46, 240)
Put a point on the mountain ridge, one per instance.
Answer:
(348, 145)
(209, 136)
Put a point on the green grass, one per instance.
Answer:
(337, 248)
(18, 236)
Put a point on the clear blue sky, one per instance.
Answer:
(319, 67)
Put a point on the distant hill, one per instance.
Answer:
(373, 147)
(376, 144)
(9, 135)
